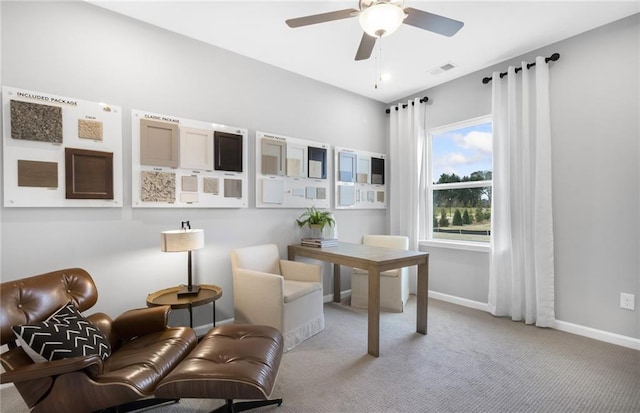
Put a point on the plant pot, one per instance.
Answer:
(316, 231)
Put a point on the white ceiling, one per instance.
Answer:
(493, 32)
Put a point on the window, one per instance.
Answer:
(461, 161)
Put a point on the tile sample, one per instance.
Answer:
(321, 193)
(190, 183)
(159, 143)
(210, 185)
(272, 191)
(370, 196)
(36, 122)
(227, 151)
(90, 129)
(346, 166)
(88, 174)
(317, 162)
(196, 148)
(189, 197)
(380, 196)
(310, 192)
(232, 188)
(298, 192)
(158, 187)
(346, 195)
(37, 174)
(273, 156)
(377, 171)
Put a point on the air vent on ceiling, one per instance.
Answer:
(442, 68)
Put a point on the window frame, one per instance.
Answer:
(431, 187)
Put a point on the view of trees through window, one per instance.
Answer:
(461, 159)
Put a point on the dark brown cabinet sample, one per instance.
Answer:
(227, 151)
(377, 171)
(88, 174)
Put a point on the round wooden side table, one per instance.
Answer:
(169, 296)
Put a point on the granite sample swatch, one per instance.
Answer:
(210, 185)
(90, 129)
(158, 187)
(88, 174)
(37, 174)
(36, 122)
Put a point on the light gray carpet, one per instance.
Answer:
(469, 362)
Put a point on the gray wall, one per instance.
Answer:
(78, 50)
(595, 91)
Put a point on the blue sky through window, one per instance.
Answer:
(462, 151)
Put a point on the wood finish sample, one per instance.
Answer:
(227, 151)
(36, 122)
(37, 174)
(159, 143)
(88, 174)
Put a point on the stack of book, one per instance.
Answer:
(319, 242)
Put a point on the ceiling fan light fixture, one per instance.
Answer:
(381, 19)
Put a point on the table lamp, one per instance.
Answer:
(181, 240)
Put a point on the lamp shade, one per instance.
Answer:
(181, 240)
(381, 19)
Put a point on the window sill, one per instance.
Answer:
(456, 245)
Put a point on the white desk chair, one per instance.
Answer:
(394, 284)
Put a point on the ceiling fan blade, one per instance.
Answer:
(321, 18)
(432, 22)
(366, 47)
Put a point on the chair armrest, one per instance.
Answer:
(53, 368)
(141, 321)
(301, 271)
(258, 297)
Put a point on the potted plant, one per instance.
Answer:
(316, 220)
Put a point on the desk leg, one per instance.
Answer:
(374, 312)
(423, 295)
(336, 283)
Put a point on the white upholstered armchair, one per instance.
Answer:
(283, 294)
(394, 284)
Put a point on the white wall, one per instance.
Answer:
(78, 50)
(595, 91)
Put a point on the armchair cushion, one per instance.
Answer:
(63, 335)
(296, 289)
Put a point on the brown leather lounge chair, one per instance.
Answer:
(127, 358)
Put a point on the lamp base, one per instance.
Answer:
(187, 291)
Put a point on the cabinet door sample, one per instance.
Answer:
(88, 174)
(196, 148)
(36, 122)
(296, 160)
(273, 156)
(364, 169)
(346, 166)
(377, 171)
(317, 162)
(227, 151)
(159, 143)
(37, 174)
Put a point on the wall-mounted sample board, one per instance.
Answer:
(291, 172)
(60, 151)
(360, 179)
(184, 163)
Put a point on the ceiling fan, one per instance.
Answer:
(379, 18)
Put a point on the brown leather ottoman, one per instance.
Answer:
(234, 361)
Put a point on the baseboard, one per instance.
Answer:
(458, 300)
(607, 337)
(613, 338)
(203, 329)
(343, 294)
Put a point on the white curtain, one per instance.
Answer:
(521, 280)
(408, 193)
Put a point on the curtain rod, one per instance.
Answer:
(404, 105)
(554, 57)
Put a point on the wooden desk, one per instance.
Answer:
(169, 296)
(374, 260)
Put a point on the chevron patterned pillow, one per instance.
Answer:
(65, 334)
